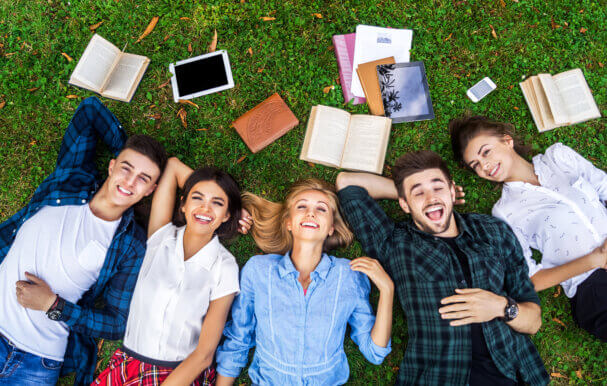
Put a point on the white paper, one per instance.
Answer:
(373, 43)
(557, 106)
(578, 100)
(364, 145)
(329, 135)
(96, 62)
(124, 75)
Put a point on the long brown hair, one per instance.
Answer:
(269, 229)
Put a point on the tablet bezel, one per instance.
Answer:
(227, 69)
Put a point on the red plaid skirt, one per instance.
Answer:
(126, 370)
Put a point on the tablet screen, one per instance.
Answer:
(201, 75)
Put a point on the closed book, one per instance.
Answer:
(344, 51)
(367, 73)
(265, 123)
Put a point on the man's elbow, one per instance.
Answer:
(343, 180)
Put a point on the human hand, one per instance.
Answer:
(35, 294)
(245, 222)
(599, 256)
(459, 195)
(472, 305)
(376, 273)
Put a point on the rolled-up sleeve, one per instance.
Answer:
(362, 321)
(239, 332)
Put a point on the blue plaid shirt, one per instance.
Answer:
(74, 182)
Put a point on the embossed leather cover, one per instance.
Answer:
(265, 123)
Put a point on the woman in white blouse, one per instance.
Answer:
(554, 204)
(186, 283)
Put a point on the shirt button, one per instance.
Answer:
(83, 201)
(14, 230)
(58, 201)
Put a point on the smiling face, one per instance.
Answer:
(429, 198)
(310, 216)
(205, 208)
(490, 157)
(131, 176)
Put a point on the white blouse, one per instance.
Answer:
(172, 296)
(564, 218)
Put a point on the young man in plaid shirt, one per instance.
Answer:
(74, 245)
(461, 278)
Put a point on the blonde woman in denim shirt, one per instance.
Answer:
(295, 304)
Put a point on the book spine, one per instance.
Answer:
(344, 64)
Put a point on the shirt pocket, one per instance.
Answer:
(492, 270)
(90, 260)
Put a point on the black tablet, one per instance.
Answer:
(201, 75)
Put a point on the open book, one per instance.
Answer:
(339, 139)
(106, 70)
(559, 100)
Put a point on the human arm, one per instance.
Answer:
(233, 354)
(210, 334)
(174, 176)
(372, 332)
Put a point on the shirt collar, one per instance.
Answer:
(205, 257)
(285, 266)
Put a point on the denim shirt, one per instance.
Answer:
(299, 339)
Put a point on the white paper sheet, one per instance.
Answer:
(373, 43)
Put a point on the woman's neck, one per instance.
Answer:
(192, 243)
(523, 171)
(305, 257)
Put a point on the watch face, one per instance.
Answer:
(512, 312)
(54, 315)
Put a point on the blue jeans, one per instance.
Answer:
(18, 367)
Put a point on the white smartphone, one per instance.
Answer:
(480, 90)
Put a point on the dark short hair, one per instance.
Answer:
(415, 162)
(228, 184)
(150, 148)
(466, 128)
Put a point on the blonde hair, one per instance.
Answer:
(269, 218)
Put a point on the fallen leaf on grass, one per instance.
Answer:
(557, 375)
(188, 102)
(204, 129)
(164, 84)
(448, 37)
(72, 96)
(166, 38)
(149, 28)
(327, 89)
(100, 345)
(583, 30)
(516, 108)
(9, 54)
(98, 365)
(601, 64)
(503, 3)
(95, 26)
(69, 59)
(493, 32)
(189, 47)
(553, 25)
(250, 51)
(239, 160)
(559, 322)
(33, 89)
(2, 104)
(182, 114)
(267, 18)
(213, 45)
(579, 374)
(156, 116)
(33, 143)
(184, 18)
(557, 293)
(311, 164)
(260, 69)
(317, 15)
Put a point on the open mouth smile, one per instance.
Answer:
(309, 224)
(435, 213)
(495, 170)
(124, 192)
(202, 219)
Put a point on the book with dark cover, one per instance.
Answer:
(265, 123)
(344, 51)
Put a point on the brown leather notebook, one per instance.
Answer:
(265, 123)
(367, 73)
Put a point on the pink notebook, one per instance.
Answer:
(344, 51)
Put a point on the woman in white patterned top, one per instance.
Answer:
(554, 204)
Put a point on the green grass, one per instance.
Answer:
(292, 55)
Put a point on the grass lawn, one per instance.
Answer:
(460, 42)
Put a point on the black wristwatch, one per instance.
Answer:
(54, 313)
(511, 310)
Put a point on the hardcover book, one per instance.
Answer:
(344, 51)
(265, 123)
(106, 70)
(559, 100)
(339, 139)
(405, 92)
(367, 72)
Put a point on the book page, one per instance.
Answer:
(543, 106)
(124, 76)
(578, 100)
(96, 63)
(557, 106)
(328, 136)
(365, 147)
